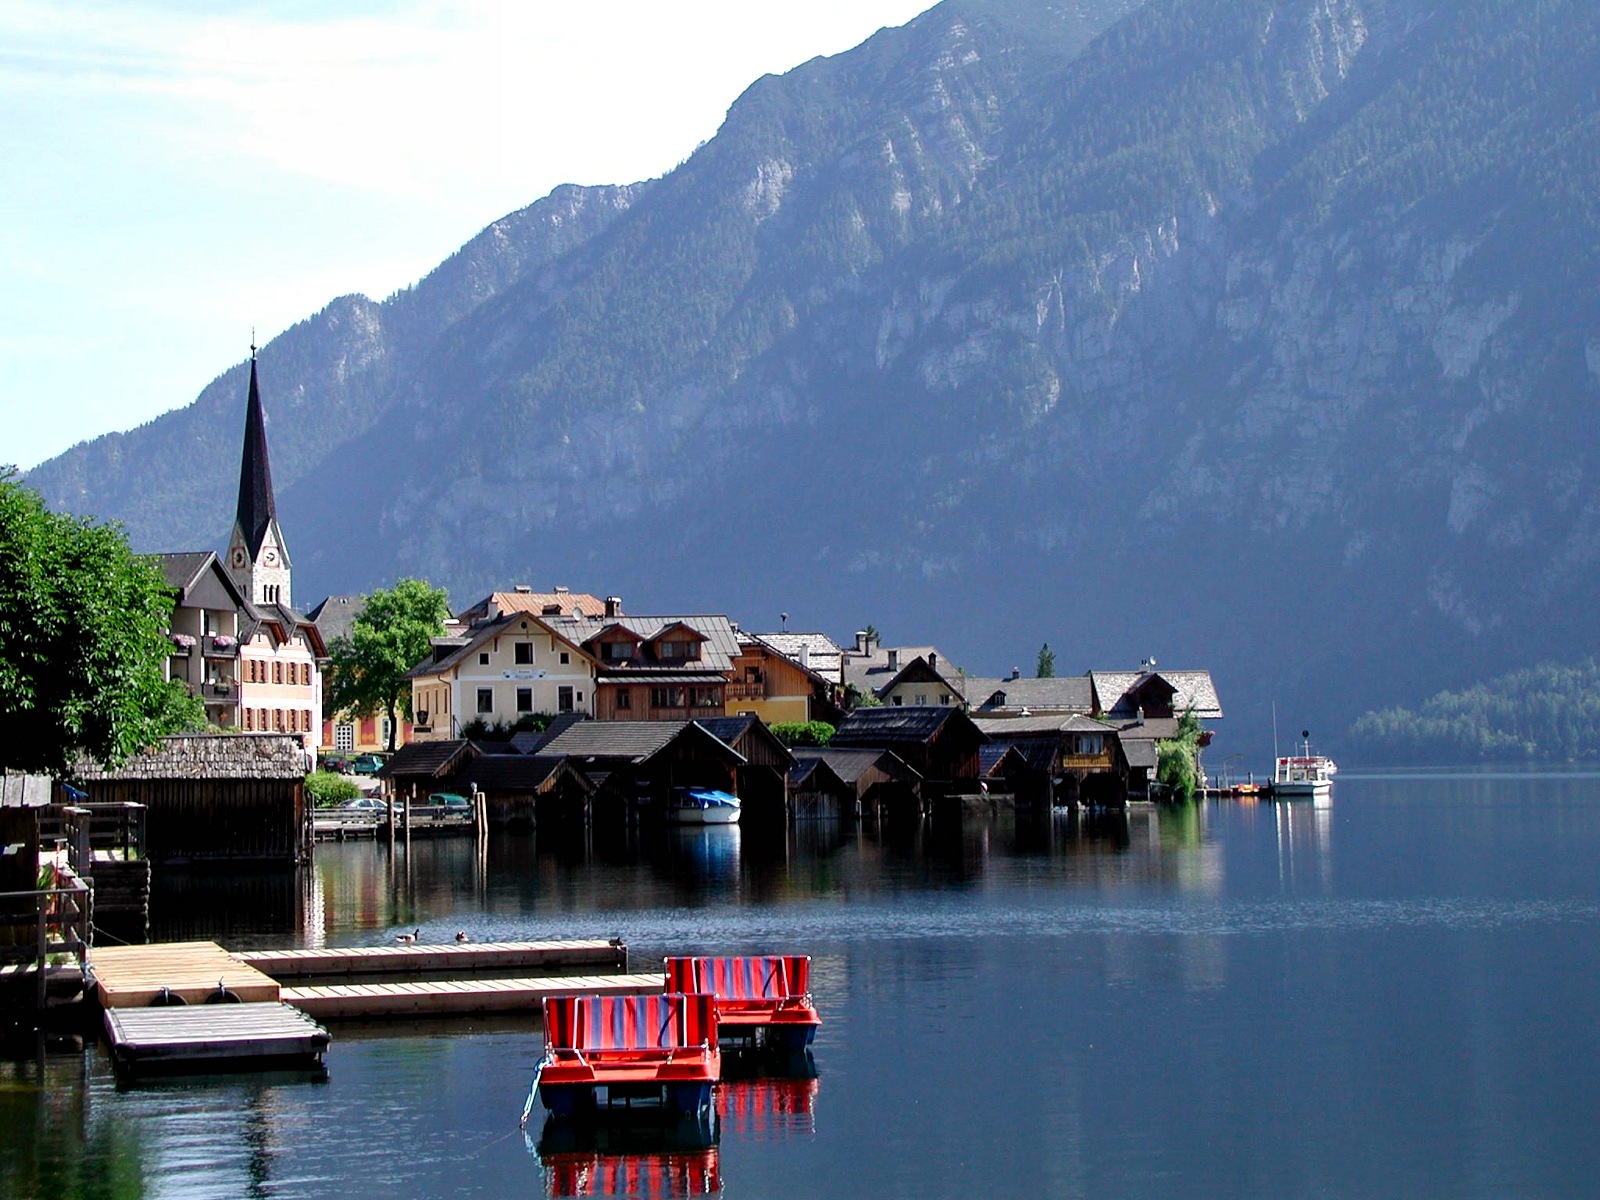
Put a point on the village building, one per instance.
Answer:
(260, 670)
(940, 743)
(505, 668)
(655, 668)
(346, 733)
(816, 652)
(560, 601)
(768, 684)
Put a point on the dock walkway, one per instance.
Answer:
(420, 959)
(149, 1041)
(133, 976)
(456, 996)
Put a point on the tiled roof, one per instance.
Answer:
(209, 756)
(529, 742)
(503, 603)
(717, 652)
(1140, 752)
(726, 729)
(335, 616)
(181, 569)
(849, 764)
(1063, 694)
(823, 655)
(633, 740)
(1190, 688)
(510, 772)
(426, 760)
(897, 723)
(868, 672)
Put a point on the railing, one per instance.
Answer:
(220, 691)
(118, 827)
(35, 925)
(213, 646)
(747, 691)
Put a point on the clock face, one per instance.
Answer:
(238, 556)
(270, 558)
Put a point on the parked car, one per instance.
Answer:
(363, 804)
(367, 764)
(448, 804)
(339, 764)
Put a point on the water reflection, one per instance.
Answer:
(630, 1157)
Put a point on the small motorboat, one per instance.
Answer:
(703, 806)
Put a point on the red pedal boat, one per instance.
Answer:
(757, 998)
(656, 1049)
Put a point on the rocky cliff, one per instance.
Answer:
(1258, 334)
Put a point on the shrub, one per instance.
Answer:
(325, 788)
(803, 733)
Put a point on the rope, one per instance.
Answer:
(533, 1092)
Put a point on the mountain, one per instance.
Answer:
(1255, 334)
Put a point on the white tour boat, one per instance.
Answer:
(1304, 774)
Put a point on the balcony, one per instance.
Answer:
(219, 646)
(742, 690)
(220, 692)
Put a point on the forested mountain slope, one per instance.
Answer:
(1256, 334)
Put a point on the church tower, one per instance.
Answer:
(258, 561)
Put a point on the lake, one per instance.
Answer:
(1397, 994)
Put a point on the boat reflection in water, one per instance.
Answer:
(762, 1098)
(629, 1156)
(646, 1153)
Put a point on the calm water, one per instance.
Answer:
(1396, 995)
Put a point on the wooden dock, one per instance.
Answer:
(208, 1037)
(454, 997)
(465, 957)
(133, 976)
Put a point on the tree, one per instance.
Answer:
(1178, 759)
(1046, 668)
(388, 637)
(83, 642)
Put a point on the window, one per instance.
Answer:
(522, 654)
(678, 651)
(668, 697)
(564, 699)
(277, 672)
(944, 697)
(565, 658)
(277, 720)
(247, 721)
(524, 700)
(383, 729)
(483, 658)
(1090, 743)
(624, 699)
(899, 700)
(486, 700)
(344, 737)
(613, 652)
(705, 697)
(922, 699)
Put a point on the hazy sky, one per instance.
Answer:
(176, 173)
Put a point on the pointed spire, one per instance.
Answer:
(256, 507)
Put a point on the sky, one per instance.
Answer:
(177, 174)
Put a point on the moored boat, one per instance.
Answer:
(703, 806)
(1303, 774)
(765, 998)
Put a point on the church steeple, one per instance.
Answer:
(256, 510)
(258, 560)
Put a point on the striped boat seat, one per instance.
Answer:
(632, 1022)
(772, 978)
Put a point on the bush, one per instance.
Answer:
(326, 788)
(803, 733)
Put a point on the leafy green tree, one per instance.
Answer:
(83, 641)
(388, 637)
(1178, 759)
(1046, 666)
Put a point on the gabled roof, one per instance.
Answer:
(849, 765)
(717, 651)
(1113, 691)
(752, 643)
(335, 616)
(633, 741)
(1061, 694)
(918, 670)
(822, 654)
(995, 760)
(199, 579)
(868, 672)
(428, 760)
(529, 742)
(282, 622)
(899, 724)
(733, 730)
(497, 604)
(516, 772)
(207, 756)
(180, 570)
(457, 650)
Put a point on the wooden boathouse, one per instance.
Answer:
(940, 743)
(828, 782)
(764, 776)
(213, 798)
